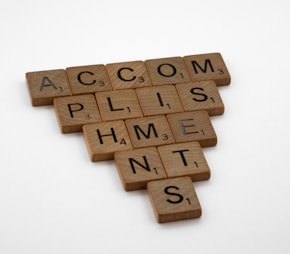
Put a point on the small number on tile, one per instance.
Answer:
(165, 136)
(141, 79)
(156, 172)
(123, 142)
(101, 83)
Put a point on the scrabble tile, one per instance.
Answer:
(202, 95)
(192, 126)
(116, 105)
(174, 199)
(184, 159)
(106, 138)
(139, 166)
(44, 86)
(208, 67)
(88, 79)
(165, 71)
(149, 131)
(73, 112)
(158, 100)
(128, 75)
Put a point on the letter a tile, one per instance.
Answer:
(139, 166)
(174, 199)
(106, 138)
(44, 86)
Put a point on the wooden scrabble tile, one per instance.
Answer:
(139, 166)
(208, 67)
(116, 105)
(184, 159)
(202, 95)
(192, 126)
(128, 75)
(165, 71)
(158, 100)
(44, 86)
(106, 138)
(75, 111)
(174, 199)
(149, 131)
(88, 79)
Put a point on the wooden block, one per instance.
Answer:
(44, 86)
(128, 75)
(208, 67)
(192, 126)
(88, 79)
(184, 159)
(138, 167)
(174, 199)
(149, 131)
(116, 105)
(159, 100)
(165, 71)
(75, 111)
(202, 95)
(106, 138)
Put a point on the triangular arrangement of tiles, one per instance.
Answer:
(151, 117)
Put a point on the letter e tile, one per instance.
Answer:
(174, 199)
(192, 126)
(139, 166)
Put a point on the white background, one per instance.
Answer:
(53, 199)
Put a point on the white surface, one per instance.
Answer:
(54, 200)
